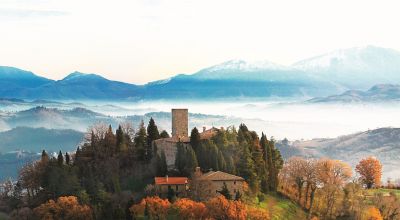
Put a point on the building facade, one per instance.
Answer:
(210, 184)
(178, 185)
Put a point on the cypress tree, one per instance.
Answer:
(221, 162)
(141, 143)
(121, 142)
(195, 139)
(45, 157)
(180, 157)
(152, 132)
(190, 161)
(246, 168)
(67, 158)
(225, 192)
(60, 159)
(162, 168)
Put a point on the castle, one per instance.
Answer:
(180, 133)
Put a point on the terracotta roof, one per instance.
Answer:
(170, 180)
(207, 134)
(220, 176)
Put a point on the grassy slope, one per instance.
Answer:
(385, 192)
(281, 208)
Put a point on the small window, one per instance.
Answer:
(234, 182)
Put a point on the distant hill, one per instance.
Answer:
(37, 139)
(378, 93)
(383, 143)
(324, 75)
(11, 162)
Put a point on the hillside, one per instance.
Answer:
(37, 139)
(383, 143)
(11, 162)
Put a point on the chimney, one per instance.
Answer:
(166, 178)
(197, 172)
(204, 129)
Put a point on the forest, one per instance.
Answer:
(111, 176)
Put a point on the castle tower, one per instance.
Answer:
(180, 122)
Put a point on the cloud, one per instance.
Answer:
(17, 14)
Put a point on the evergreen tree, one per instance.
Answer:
(164, 134)
(45, 157)
(220, 139)
(246, 168)
(122, 145)
(141, 143)
(109, 143)
(180, 157)
(277, 166)
(190, 161)
(221, 162)
(230, 166)
(152, 132)
(213, 155)
(195, 140)
(225, 192)
(162, 168)
(67, 158)
(60, 159)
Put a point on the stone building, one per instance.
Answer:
(180, 124)
(209, 184)
(179, 185)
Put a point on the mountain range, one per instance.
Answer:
(324, 75)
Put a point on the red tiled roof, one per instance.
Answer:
(170, 180)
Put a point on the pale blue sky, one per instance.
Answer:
(145, 40)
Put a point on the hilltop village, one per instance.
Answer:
(211, 182)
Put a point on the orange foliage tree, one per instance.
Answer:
(372, 213)
(189, 209)
(153, 207)
(221, 208)
(257, 214)
(67, 208)
(370, 170)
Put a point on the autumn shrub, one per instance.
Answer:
(65, 208)
(372, 213)
(189, 209)
(221, 208)
(153, 207)
(257, 214)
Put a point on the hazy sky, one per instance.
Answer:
(145, 40)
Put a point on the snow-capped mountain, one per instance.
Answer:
(357, 68)
(332, 73)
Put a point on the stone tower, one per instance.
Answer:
(180, 123)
